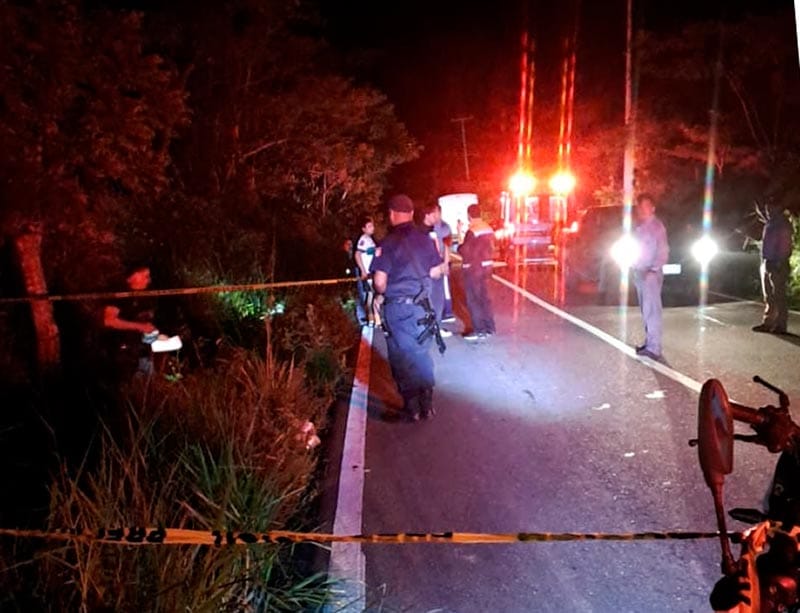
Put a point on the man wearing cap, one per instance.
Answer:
(402, 275)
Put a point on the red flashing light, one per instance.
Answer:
(562, 182)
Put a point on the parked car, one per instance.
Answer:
(596, 250)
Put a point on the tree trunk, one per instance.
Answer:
(28, 250)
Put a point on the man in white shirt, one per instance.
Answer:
(365, 251)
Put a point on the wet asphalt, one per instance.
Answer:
(548, 428)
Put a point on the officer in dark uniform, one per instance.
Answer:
(402, 275)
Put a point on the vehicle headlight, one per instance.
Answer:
(704, 250)
(625, 251)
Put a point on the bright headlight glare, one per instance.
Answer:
(704, 250)
(625, 251)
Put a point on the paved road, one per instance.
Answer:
(547, 427)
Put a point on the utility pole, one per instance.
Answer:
(630, 123)
(797, 25)
(462, 121)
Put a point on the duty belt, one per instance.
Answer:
(400, 300)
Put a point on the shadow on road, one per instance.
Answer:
(789, 337)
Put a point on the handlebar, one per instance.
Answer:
(783, 399)
(773, 425)
(746, 414)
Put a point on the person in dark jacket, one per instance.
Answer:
(776, 248)
(440, 234)
(402, 274)
(127, 322)
(476, 254)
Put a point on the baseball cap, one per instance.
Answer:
(401, 203)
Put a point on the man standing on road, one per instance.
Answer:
(365, 251)
(440, 234)
(476, 254)
(402, 274)
(776, 247)
(648, 275)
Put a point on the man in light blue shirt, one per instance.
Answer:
(648, 274)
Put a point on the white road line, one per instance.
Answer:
(347, 562)
(740, 299)
(604, 336)
(712, 319)
(736, 298)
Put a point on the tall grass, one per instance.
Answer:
(794, 263)
(218, 450)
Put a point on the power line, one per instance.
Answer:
(462, 121)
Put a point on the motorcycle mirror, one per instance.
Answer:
(715, 451)
(714, 433)
(748, 516)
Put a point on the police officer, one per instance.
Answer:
(402, 274)
(776, 249)
(648, 274)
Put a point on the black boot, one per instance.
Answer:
(426, 404)
(412, 408)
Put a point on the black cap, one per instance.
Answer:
(401, 203)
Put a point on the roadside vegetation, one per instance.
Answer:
(794, 262)
(227, 149)
(223, 445)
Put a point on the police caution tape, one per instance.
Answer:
(177, 536)
(179, 291)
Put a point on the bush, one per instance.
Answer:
(794, 262)
(315, 330)
(219, 447)
(219, 450)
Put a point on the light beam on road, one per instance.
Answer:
(708, 192)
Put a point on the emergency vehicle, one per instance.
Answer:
(530, 227)
(454, 213)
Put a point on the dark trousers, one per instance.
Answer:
(447, 311)
(411, 362)
(478, 302)
(774, 279)
(437, 297)
(361, 301)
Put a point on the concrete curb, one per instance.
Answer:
(347, 562)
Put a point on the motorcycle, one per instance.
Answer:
(766, 576)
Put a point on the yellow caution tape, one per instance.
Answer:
(181, 291)
(177, 536)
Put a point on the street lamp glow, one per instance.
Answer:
(522, 183)
(562, 182)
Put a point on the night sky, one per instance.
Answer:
(444, 58)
